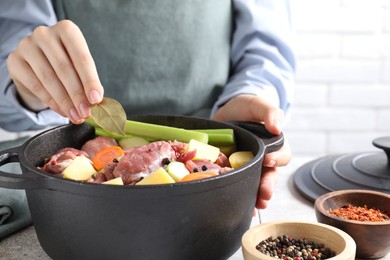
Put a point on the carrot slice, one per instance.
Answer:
(106, 155)
(197, 176)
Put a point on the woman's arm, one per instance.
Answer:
(261, 85)
(262, 58)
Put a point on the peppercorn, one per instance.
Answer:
(286, 248)
(165, 161)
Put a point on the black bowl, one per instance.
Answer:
(372, 238)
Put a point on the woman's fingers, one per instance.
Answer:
(269, 174)
(79, 53)
(62, 73)
(50, 80)
(260, 110)
(252, 108)
(257, 109)
(267, 184)
(29, 86)
(280, 157)
(273, 119)
(75, 103)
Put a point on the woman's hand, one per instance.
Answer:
(53, 68)
(255, 109)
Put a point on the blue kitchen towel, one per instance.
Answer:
(14, 211)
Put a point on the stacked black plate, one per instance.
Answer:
(369, 171)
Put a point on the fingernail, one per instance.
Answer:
(271, 163)
(94, 97)
(277, 124)
(74, 115)
(84, 109)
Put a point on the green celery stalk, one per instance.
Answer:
(154, 132)
(116, 136)
(103, 132)
(228, 131)
(219, 137)
(161, 132)
(91, 122)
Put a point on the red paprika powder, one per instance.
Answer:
(359, 213)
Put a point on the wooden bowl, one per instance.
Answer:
(372, 238)
(338, 241)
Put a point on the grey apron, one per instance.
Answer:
(157, 56)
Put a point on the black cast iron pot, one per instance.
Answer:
(203, 219)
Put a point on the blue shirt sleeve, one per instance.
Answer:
(17, 20)
(262, 58)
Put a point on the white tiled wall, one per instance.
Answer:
(343, 76)
(342, 99)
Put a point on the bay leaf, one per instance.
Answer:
(109, 115)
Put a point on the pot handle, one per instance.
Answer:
(272, 142)
(15, 180)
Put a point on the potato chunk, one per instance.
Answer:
(80, 169)
(238, 159)
(115, 181)
(159, 176)
(203, 151)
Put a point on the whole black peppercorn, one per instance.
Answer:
(285, 247)
(165, 161)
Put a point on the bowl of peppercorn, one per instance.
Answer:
(363, 214)
(297, 240)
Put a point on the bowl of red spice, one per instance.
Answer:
(363, 214)
(297, 240)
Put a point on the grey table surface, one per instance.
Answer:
(25, 245)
